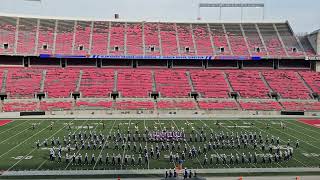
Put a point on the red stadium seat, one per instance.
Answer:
(218, 105)
(181, 104)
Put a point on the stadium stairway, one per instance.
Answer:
(227, 39)
(4, 81)
(115, 85)
(228, 82)
(78, 83)
(245, 40)
(265, 82)
(43, 79)
(154, 85)
(190, 81)
(304, 82)
(281, 40)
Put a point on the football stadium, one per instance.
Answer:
(120, 99)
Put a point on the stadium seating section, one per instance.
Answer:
(55, 105)
(174, 86)
(96, 84)
(97, 104)
(134, 83)
(172, 83)
(19, 106)
(260, 105)
(23, 83)
(169, 39)
(60, 83)
(301, 106)
(122, 88)
(248, 84)
(134, 105)
(218, 105)
(287, 84)
(210, 83)
(182, 105)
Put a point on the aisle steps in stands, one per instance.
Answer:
(271, 91)
(79, 81)
(228, 82)
(4, 81)
(245, 40)
(190, 81)
(238, 104)
(154, 86)
(43, 79)
(305, 84)
(262, 40)
(280, 39)
(115, 86)
(227, 38)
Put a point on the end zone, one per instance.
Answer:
(4, 122)
(311, 122)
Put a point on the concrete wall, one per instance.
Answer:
(315, 41)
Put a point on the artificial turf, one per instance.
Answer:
(18, 139)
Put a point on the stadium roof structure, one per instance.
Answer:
(315, 32)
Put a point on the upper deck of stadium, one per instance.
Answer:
(32, 36)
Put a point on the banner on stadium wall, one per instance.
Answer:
(152, 57)
(313, 58)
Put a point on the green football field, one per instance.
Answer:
(18, 148)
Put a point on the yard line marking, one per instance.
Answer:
(212, 148)
(295, 124)
(23, 141)
(144, 122)
(39, 165)
(258, 148)
(302, 133)
(280, 131)
(104, 144)
(296, 138)
(80, 148)
(51, 137)
(188, 143)
(162, 131)
(32, 151)
(125, 146)
(14, 126)
(13, 136)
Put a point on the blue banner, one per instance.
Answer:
(153, 57)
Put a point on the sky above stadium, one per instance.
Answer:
(304, 15)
